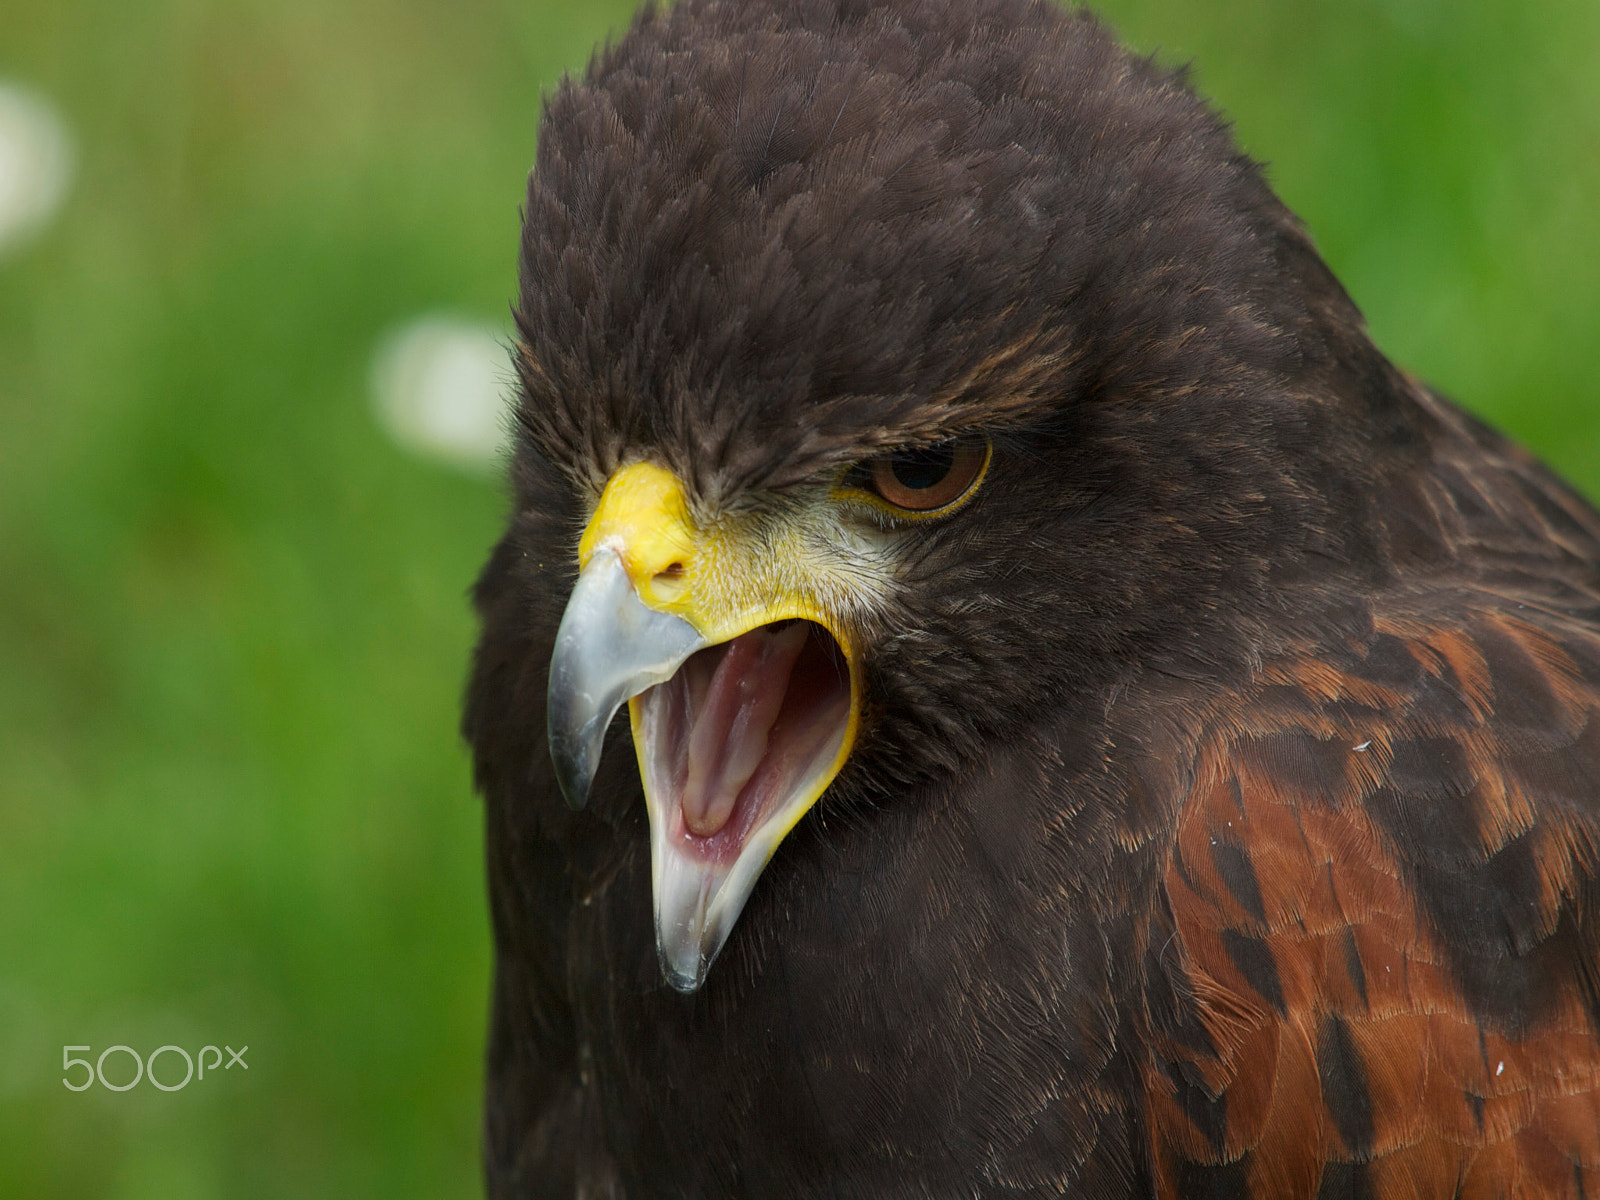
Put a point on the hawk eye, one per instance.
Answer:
(925, 478)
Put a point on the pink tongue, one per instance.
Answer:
(730, 729)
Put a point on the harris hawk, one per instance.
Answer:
(1093, 727)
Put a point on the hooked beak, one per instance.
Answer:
(743, 695)
(610, 647)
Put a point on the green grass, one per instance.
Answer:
(233, 808)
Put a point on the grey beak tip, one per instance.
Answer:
(684, 985)
(574, 789)
(574, 764)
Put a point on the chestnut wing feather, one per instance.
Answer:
(1376, 967)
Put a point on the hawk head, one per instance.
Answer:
(892, 371)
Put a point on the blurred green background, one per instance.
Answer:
(233, 625)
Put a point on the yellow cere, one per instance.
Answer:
(643, 517)
(737, 573)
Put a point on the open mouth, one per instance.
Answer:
(733, 749)
(740, 729)
(742, 716)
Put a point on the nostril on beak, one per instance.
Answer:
(668, 583)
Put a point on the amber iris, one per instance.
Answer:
(928, 477)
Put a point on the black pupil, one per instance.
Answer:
(922, 469)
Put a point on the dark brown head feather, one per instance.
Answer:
(765, 237)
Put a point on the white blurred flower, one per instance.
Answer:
(442, 388)
(36, 160)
